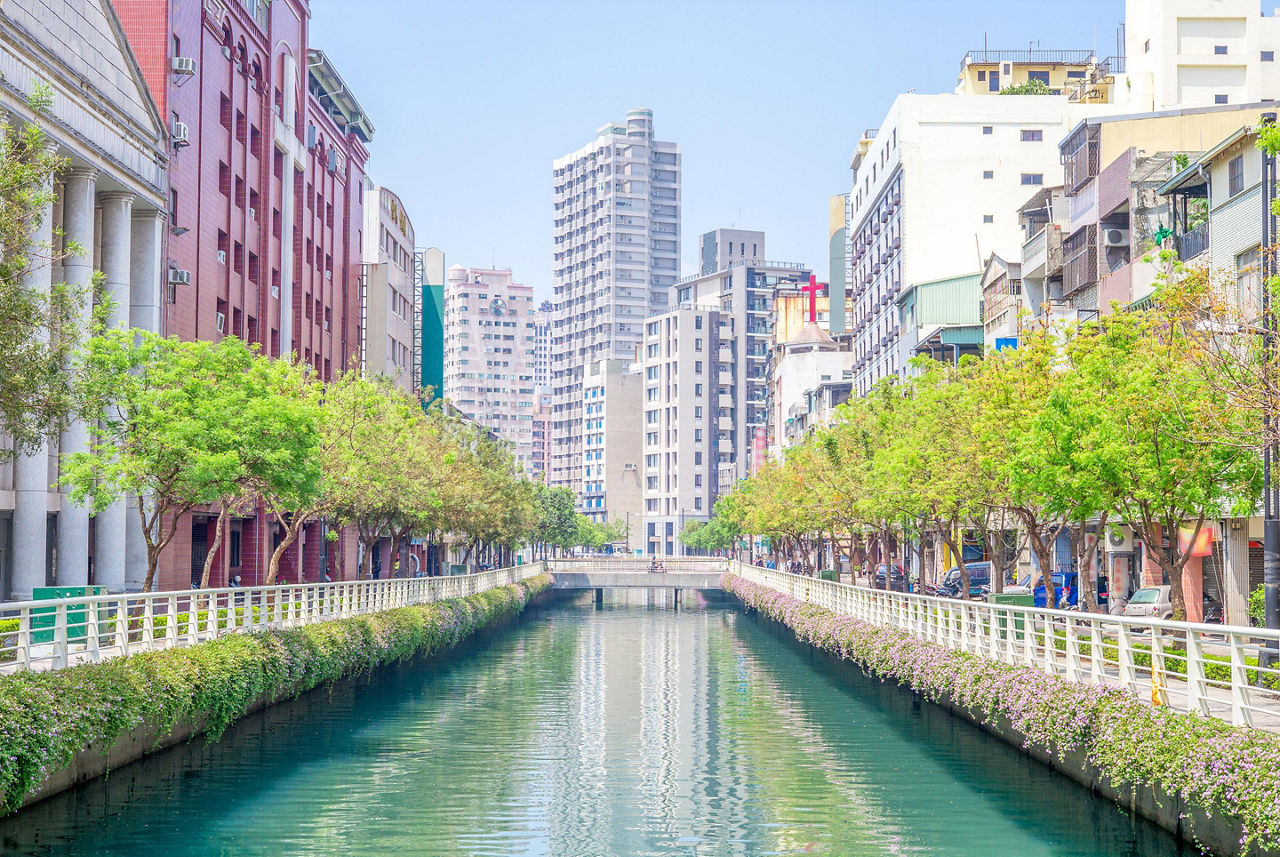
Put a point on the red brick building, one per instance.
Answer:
(265, 217)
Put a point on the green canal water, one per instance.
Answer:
(633, 728)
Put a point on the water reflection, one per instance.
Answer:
(627, 729)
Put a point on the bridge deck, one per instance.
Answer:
(600, 579)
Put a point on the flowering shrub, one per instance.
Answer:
(46, 718)
(1221, 768)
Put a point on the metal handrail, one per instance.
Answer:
(1211, 670)
(59, 633)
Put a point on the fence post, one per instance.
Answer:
(60, 636)
(1241, 715)
(1197, 692)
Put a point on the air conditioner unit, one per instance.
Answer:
(220, 321)
(628, 467)
(179, 277)
(275, 292)
(226, 51)
(253, 214)
(326, 324)
(1115, 238)
(328, 275)
(184, 66)
(1120, 540)
(311, 136)
(178, 135)
(222, 257)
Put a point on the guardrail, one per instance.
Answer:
(1211, 670)
(636, 565)
(57, 634)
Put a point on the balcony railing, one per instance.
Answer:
(1191, 244)
(1074, 57)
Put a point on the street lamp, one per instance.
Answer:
(1270, 491)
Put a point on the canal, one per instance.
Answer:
(631, 728)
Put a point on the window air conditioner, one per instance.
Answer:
(178, 135)
(184, 66)
(220, 321)
(222, 257)
(1115, 238)
(275, 292)
(179, 277)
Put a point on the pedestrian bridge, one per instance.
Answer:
(637, 573)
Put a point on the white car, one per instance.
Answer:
(1150, 601)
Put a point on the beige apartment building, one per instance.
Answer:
(388, 297)
(490, 343)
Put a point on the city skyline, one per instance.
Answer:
(456, 141)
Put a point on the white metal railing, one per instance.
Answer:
(43, 635)
(641, 564)
(1211, 670)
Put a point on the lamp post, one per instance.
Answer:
(1270, 491)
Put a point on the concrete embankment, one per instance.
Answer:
(61, 728)
(1212, 784)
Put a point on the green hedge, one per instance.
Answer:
(46, 718)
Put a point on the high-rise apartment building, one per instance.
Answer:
(1193, 53)
(688, 420)
(612, 446)
(490, 339)
(542, 346)
(389, 309)
(740, 284)
(907, 228)
(616, 258)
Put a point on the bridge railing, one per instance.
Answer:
(635, 565)
(1212, 670)
(56, 634)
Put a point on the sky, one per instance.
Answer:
(472, 100)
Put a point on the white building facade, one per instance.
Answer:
(936, 190)
(489, 354)
(616, 258)
(389, 298)
(688, 424)
(1195, 53)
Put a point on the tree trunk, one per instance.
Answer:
(223, 515)
(291, 532)
(1085, 563)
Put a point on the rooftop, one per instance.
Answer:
(339, 101)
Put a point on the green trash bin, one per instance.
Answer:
(829, 574)
(44, 619)
(1012, 599)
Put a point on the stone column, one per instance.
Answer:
(145, 288)
(31, 480)
(77, 224)
(112, 522)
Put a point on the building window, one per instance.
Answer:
(1249, 279)
(986, 129)
(982, 75)
(1235, 175)
(1042, 76)
(1075, 75)
(1032, 135)
(1268, 56)
(1033, 178)
(1146, 46)
(988, 218)
(1220, 50)
(988, 174)
(1219, 99)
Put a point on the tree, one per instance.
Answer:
(717, 534)
(39, 331)
(1031, 87)
(167, 432)
(556, 526)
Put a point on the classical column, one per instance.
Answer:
(112, 522)
(145, 288)
(77, 224)
(31, 480)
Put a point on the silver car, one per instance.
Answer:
(1150, 601)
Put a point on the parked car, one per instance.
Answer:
(979, 581)
(897, 577)
(1150, 601)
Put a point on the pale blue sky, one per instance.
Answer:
(472, 100)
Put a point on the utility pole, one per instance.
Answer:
(1271, 490)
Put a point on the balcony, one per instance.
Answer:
(1063, 57)
(1191, 244)
(1042, 253)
